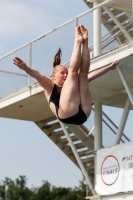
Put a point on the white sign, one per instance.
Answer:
(114, 172)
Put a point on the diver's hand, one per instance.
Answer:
(114, 65)
(20, 63)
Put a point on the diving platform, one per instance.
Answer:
(30, 103)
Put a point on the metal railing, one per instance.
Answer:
(109, 129)
(38, 51)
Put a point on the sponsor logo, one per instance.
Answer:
(127, 158)
(110, 170)
(123, 158)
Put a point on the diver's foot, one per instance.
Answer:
(78, 35)
(84, 32)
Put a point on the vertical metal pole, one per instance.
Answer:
(78, 158)
(123, 122)
(98, 132)
(98, 126)
(97, 30)
(123, 78)
(76, 22)
(30, 63)
(132, 10)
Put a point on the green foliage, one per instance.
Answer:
(61, 193)
(43, 192)
(14, 190)
(17, 190)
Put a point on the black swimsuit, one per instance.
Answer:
(77, 119)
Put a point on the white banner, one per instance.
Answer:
(114, 172)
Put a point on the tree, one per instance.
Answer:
(17, 190)
(14, 190)
(43, 192)
(81, 190)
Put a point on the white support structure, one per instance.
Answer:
(123, 122)
(97, 29)
(123, 78)
(91, 130)
(98, 126)
(132, 7)
(125, 32)
(78, 159)
(98, 131)
(81, 134)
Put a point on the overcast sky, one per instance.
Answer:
(24, 149)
